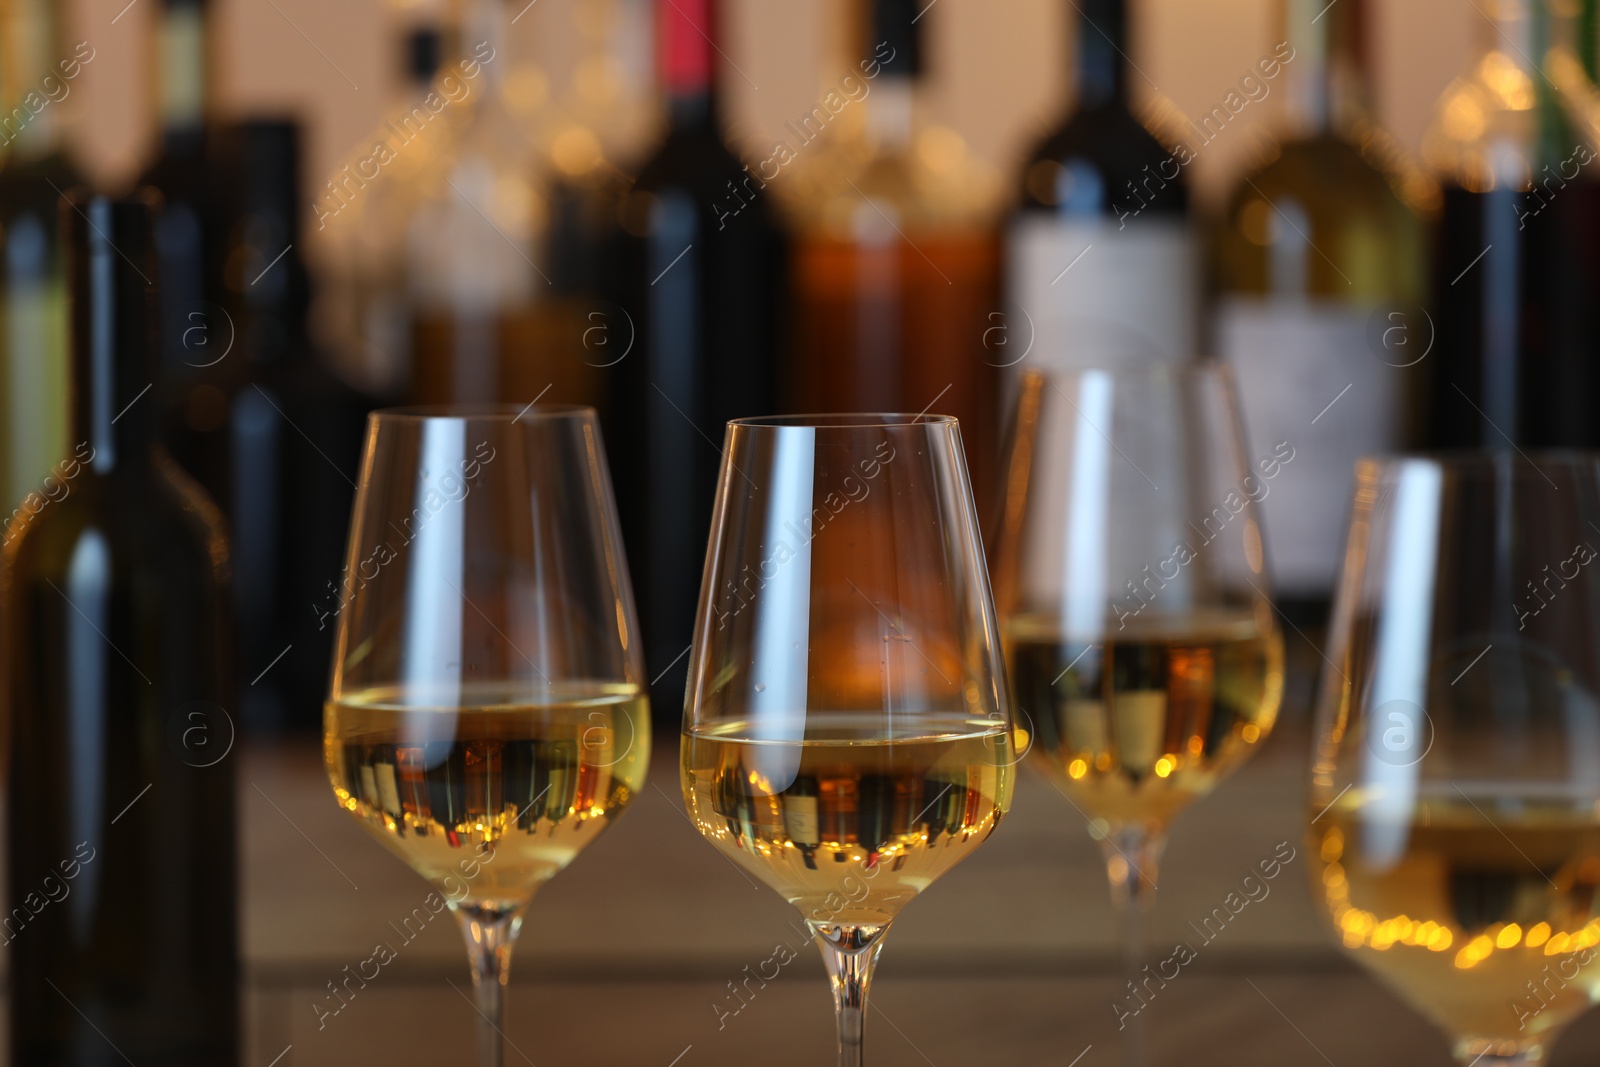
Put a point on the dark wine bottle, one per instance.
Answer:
(694, 284)
(123, 930)
(876, 826)
(1101, 263)
(1516, 280)
(294, 437)
(33, 313)
(800, 817)
(200, 369)
(447, 786)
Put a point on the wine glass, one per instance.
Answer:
(487, 716)
(1455, 800)
(847, 736)
(1143, 651)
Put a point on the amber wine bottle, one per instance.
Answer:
(895, 264)
(120, 925)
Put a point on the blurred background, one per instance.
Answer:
(998, 72)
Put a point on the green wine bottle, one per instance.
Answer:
(122, 928)
(38, 73)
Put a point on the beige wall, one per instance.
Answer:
(1000, 65)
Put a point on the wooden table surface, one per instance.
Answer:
(1010, 959)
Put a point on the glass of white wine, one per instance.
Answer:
(1144, 655)
(1455, 801)
(847, 735)
(487, 716)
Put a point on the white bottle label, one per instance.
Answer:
(1140, 723)
(1096, 295)
(800, 813)
(1307, 375)
(388, 789)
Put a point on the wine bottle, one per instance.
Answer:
(1321, 255)
(362, 311)
(800, 818)
(1516, 272)
(694, 285)
(123, 933)
(33, 312)
(896, 264)
(1101, 263)
(200, 371)
(489, 319)
(294, 437)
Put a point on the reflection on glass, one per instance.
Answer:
(847, 738)
(1143, 651)
(1455, 808)
(487, 716)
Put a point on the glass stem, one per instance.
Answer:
(490, 933)
(849, 952)
(1133, 857)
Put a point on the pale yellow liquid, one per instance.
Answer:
(1484, 926)
(490, 799)
(1137, 726)
(848, 824)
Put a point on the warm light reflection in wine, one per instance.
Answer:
(849, 830)
(1139, 726)
(522, 787)
(1490, 928)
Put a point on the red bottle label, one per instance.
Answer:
(685, 31)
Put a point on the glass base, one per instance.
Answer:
(1482, 1052)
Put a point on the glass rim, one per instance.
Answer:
(867, 420)
(468, 412)
(1478, 462)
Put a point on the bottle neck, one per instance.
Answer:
(33, 48)
(113, 351)
(484, 40)
(1101, 48)
(421, 58)
(1328, 81)
(1520, 33)
(1588, 30)
(274, 291)
(895, 37)
(1517, 29)
(182, 70)
(686, 35)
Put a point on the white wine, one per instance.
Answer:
(491, 798)
(1137, 726)
(1487, 926)
(853, 821)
